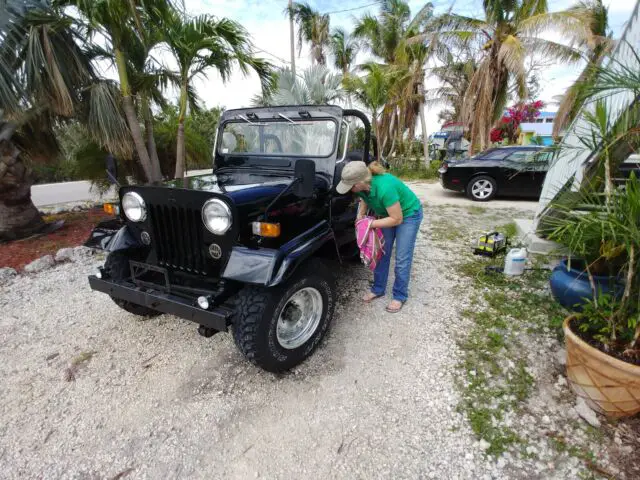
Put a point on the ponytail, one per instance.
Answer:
(376, 168)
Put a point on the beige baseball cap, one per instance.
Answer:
(352, 173)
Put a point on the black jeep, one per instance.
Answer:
(246, 246)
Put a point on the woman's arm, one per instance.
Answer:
(394, 219)
(362, 209)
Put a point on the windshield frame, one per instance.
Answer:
(263, 121)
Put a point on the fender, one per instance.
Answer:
(271, 267)
(110, 237)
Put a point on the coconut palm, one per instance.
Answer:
(392, 36)
(344, 49)
(317, 86)
(201, 43)
(507, 33)
(454, 76)
(595, 44)
(313, 28)
(372, 91)
(46, 76)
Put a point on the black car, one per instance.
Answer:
(517, 171)
(246, 246)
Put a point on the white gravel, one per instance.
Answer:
(156, 400)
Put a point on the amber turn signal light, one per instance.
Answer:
(266, 229)
(111, 208)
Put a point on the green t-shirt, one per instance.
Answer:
(387, 190)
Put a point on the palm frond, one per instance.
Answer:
(105, 119)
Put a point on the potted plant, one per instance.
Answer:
(600, 225)
(603, 340)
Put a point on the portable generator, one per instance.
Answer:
(490, 244)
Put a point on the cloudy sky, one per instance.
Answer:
(268, 26)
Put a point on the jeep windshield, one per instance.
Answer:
(281, 137)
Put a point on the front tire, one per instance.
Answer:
(482, 188)
(117, 267)
(277, 328)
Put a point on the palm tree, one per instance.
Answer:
(596, 44)
(393, 37)
(46, 76)
(372, 91)
(507, 33)
(317, 86)
(148, 79)
(201, 43)
(344, 49)
(122, 23)
(454, 76)
(384, 33)
(313, 28)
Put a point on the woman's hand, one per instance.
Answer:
(362, 210)
(394, 219)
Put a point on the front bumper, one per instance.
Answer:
(216, 318)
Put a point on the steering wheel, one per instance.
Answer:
(276, 140)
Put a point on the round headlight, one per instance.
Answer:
(134, 207)
(216, 216)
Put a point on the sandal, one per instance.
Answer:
(371, 298)
(394, 310)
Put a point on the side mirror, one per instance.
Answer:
(305, 174)
(111, 165)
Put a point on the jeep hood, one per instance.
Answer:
(241, 187)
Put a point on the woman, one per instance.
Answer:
(399, 213)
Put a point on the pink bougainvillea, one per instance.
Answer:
(509, 125)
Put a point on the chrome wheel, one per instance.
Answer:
(482, 189)
(299, 318)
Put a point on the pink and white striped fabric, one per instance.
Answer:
(370, 242)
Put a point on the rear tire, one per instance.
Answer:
(482, 188)
(117, 268)
(277, 328)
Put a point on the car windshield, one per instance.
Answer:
(286, 137)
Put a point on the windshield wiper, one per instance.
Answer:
(287, 118)
(242, 117)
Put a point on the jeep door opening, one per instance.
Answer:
(239, 248)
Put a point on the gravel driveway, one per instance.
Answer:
(89, 391)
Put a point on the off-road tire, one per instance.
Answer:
(258, 308)
(482, 178)
(117, 268)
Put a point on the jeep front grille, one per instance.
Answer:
(177, 238)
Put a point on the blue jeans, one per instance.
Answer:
(404, 236)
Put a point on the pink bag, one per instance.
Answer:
(370, 242)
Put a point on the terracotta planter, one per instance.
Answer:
(608, 385)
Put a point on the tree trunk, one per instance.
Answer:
(151, 141)
(375, 127)
(138, 140)
(151, 147)
(423, 123)
(18, 215)
(293, 53)
(180, 153)
(132, 118)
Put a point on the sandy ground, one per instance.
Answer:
(152, 399)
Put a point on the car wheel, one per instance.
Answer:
(278, 328)
(482, 188)
(117, 268)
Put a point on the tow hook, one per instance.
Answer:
(206, 331)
